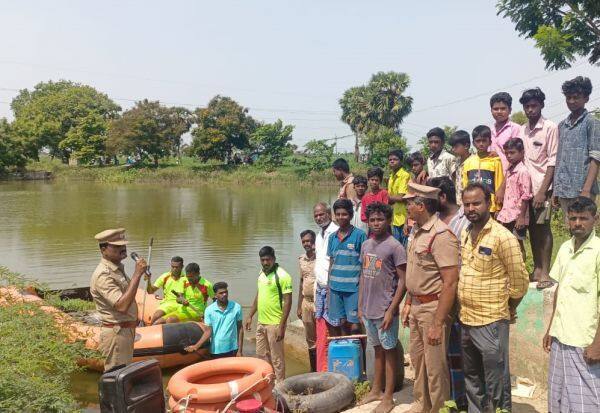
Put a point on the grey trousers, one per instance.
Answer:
(487, 373)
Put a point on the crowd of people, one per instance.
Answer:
(439, 250)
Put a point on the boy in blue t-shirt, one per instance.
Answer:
(344, 270)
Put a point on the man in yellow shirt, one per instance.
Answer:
(397, 187)
(169, 281)
(484, 167)
(492, 282)
(573, 337)
(192, 303)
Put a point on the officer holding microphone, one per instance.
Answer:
(114, 296)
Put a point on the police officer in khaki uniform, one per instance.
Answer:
(431, 281)
(114, 296)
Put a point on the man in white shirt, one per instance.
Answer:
(322, 217)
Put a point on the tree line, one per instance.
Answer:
(71, 121)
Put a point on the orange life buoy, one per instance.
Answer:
(265, 396)
(220, 380)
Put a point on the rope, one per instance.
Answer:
(228, 406)
(185, 399)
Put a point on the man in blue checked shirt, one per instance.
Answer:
(344, 271)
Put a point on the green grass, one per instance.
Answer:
(36, 362)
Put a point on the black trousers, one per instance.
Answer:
(486, 368)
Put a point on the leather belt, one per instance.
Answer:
(125, 324)
(424, 299)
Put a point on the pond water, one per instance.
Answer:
(47, 232)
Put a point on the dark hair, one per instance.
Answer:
(446, 187)
(533, 94)
(378, 207)
(514, 143)
(583, 204)
(439, 132)
(460, 137)
(415, 156)
(580, 84)
(375, 171)
(308, 232)
(178, 259)
(266, 251)
(193, 268)
(359, 179)
(397, 153)
(431, 205)
(483, 131)
(344, 204)
(472, 186)
(503, 97)
(341, 164)
(221, 285)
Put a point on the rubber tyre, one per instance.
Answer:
(328, 392)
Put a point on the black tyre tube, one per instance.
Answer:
(317, 392)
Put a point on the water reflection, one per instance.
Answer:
(46, 229)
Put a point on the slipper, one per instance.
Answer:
(541, 285)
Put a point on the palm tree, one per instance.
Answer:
(379, 103)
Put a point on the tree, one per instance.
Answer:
(68, 118)
(519, 117)
(562, 30)
(423, 143)
(149, 130)
(222, 126)
(379, 141)
(272, 143)
(318, 155)
(381, 102)
(11, 150)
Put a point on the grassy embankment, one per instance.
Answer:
(191, 171)
(36, 362)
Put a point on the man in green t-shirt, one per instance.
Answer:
(170, 281)
(273, 302)
(192, 303)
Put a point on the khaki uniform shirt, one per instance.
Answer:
(426, 257)
(108, 284)
(307, 273)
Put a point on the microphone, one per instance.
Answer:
(136, 257)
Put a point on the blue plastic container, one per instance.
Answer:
(345, 357)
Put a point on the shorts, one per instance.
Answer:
(169, 306)
(520, 234)
(387, 339)
(343, 306)
(540, 216)
(183, 313)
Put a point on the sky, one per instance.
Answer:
(288, 60)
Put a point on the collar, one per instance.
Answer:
(579, 119)
(515, 168)
(331, 228)
(228, 307)
(539, 125)
(434, 156)
(304, 257)
(396, 174)
(508, 124)
(585, 245)
(487, 227)
(352, 227)
(111, 265)
(427, 226)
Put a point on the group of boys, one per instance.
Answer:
(508, 186)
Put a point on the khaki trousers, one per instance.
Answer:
(432, 377)
(116, 345)
(269, 349)
(308, 319)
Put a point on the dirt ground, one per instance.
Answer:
(403, 399)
